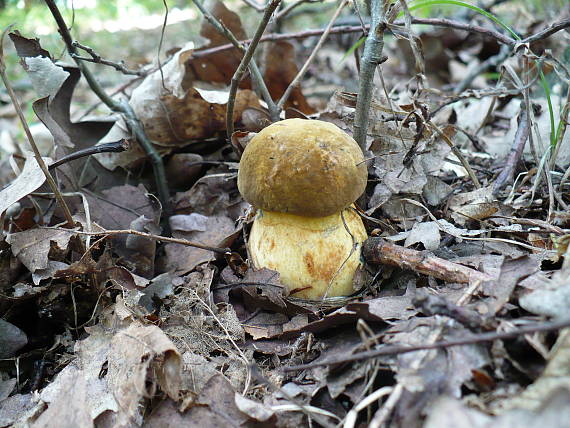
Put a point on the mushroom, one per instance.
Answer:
(303, 177)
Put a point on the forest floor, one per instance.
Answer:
(129, 298)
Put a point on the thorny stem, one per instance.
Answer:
(309, 60)
(134, 124)
(255, 72)
(270, 8)
(399, 349)
(371, 57)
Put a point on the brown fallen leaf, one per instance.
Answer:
(218, 67)
(30, 179)
(32, 247)
(128, 207)
(280, 70)
(134, 353)
(211, 231)
(66, 403)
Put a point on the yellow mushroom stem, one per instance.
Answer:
(316, 257)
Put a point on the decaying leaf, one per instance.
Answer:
(173, 114)
(32, 247)
(280, 70)
(30, 179)
(218, 67)
(212, 231)
(129, 207)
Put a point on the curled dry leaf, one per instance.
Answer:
(172, 114)
(476, 205)
(143, 349)
(32, 247)
(280, 70)
(30, 179)
(218, 67)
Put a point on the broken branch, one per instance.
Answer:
(380, 251)
(403, 349)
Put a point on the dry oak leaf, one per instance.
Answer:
(32, 247)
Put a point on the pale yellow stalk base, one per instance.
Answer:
(316, 256)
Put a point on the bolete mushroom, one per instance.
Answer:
(303, 177)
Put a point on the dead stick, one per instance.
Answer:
(116, 232)
(403, 349)
(380, 251)
(515, 154)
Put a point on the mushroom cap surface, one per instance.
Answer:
(304, 167)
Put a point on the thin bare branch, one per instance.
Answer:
(288, 9)
(255, 72)
(116, 232)
(236, 79)
(515, 154)
(122, 107)
(50, 180)
(309, 60)
(404, 349)
(346, 29)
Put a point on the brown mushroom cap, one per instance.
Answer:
(304, 167)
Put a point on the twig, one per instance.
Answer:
(457, 153)
(236, 78)
(481, 68)
(160, 42)
(134, 124)
(357, 10)
(115, 232)
(253, 3)
(51, 182)
(286, 10)
(380, 251)
(547, 32)
(309, 60)
(371, 58)
(255, 72)
(97, 59)
(403, 349)
(515, 154)
(346, 29)
(497, 92)
(471, 28)
(117, 146)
